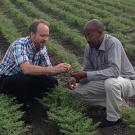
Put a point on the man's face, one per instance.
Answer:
(40, 37)
(93, 38)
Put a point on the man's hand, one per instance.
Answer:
(79, 74)
(71, 83)
(62, 67)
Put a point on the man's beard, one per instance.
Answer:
(39, 45)
(95, 45)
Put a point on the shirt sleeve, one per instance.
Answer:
(19, 53)
(114, 64)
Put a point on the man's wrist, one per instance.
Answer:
(77, 80)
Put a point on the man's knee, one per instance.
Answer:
(54, 82)
(112, 84)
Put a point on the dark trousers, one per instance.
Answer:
(26, 87)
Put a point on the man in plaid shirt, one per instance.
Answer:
(26, 70)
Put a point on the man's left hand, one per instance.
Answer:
(79, 74)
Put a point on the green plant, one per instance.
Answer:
(8, 28)
(128, 116)
(65, 110)
(14, 14)
(72, 122)
(10, 117)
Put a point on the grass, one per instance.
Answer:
(128, 117)
(10, 117)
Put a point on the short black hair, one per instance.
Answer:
(93, 25)
(35, 23)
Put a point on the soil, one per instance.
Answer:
(37, 121)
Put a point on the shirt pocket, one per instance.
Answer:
(103, 61)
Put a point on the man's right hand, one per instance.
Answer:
(61, 68)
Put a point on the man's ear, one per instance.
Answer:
(32, 34)
(100, 33)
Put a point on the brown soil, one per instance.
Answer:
(37, 121)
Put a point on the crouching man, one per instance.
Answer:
(26, 70)
(108, 76)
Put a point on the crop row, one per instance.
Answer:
(69, 18)
(124, 6)
(110, 11)
(60, 30)
(112, 22)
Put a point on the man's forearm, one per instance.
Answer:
(37, 70)
(103, 74)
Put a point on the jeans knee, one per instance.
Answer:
(53, 82)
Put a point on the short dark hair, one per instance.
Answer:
(35, 23)
(93, 25)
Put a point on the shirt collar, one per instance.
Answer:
(102, 46)
(31, 43)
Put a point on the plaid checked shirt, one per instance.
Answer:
(20, 51)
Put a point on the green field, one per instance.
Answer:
(67, 19)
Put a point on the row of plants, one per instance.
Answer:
(101, 6)
(7, 28)
(69, 18)
(107, 16)
(125, 6)
(126, 21)
(8, 9)
(105, 5)
(59, 29)
(63, 5)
